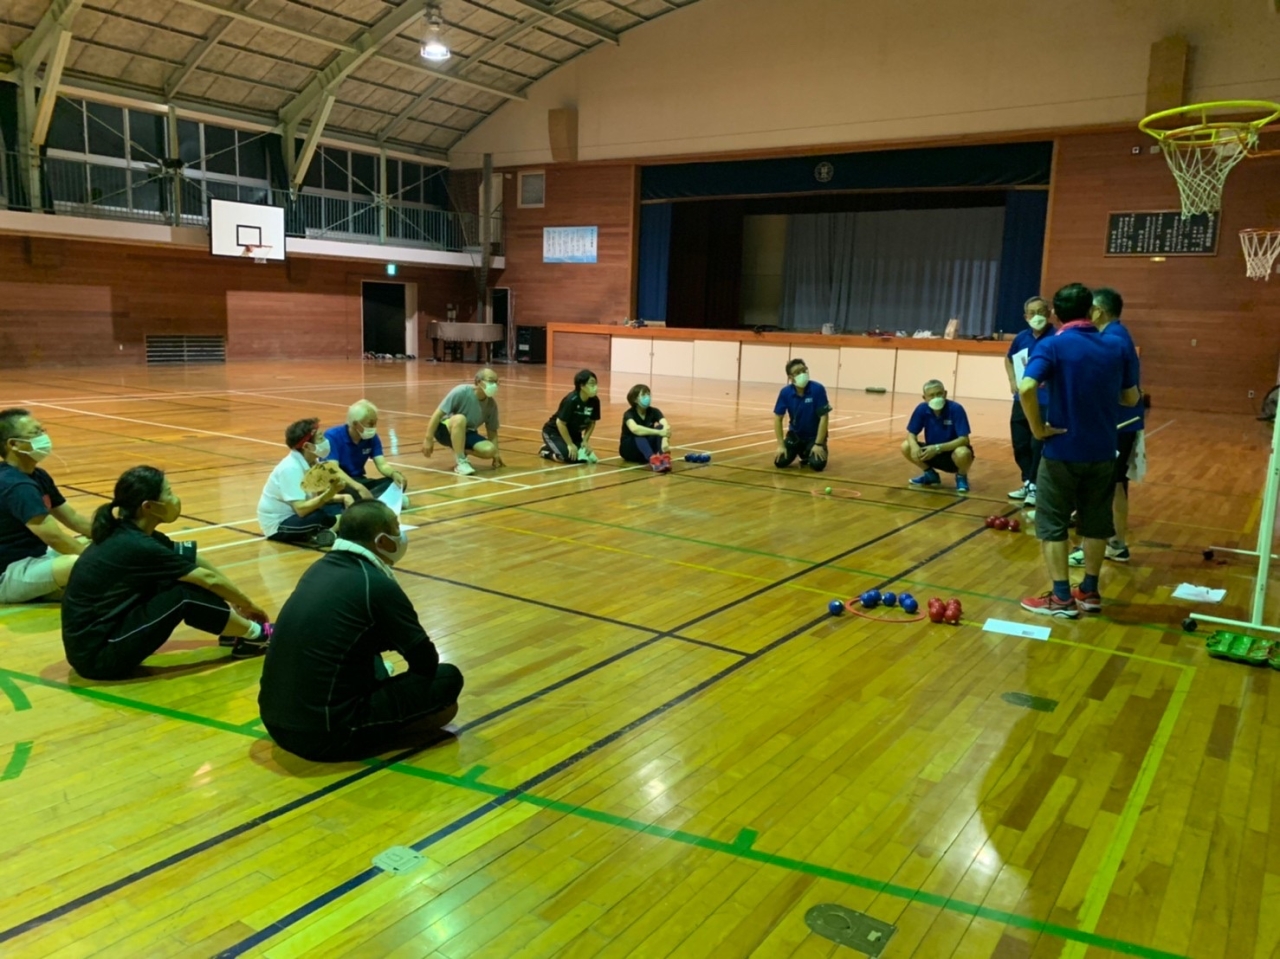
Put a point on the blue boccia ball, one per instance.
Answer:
(870, 599)
(835, 607)
(889, 599)
(909, 604)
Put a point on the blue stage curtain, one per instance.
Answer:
(1025, 213)
(655, 260)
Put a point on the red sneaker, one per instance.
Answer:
(666, 462)
(1050, 605)
(655, 461)
(1088, 602)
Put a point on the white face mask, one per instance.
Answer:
(397, 552)
(368, 434)
(490, 389)
(322, 448)
(41, 446)
(937, 403)
(802, 380)
(1037, 322)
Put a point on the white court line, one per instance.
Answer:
(205, 529)
(1159, 428)
(167, 426)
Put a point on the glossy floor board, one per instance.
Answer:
(665, 746)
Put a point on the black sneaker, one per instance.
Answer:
(248, 648)
(545, 453)
(323, 539)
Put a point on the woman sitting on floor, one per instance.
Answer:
(646, 434)
(132, 587)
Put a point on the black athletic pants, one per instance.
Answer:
(381, 721)
(149, 625)
(1026, 448)
(802, 447)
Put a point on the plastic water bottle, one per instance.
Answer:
(395, 444)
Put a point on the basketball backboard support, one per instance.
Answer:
(235, 228)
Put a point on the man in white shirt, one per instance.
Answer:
(285, 512)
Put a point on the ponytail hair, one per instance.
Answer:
(134, 487)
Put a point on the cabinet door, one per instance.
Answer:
(863, 368)
(631, 354)
(764, 363)
(715, 360)
(672, 357)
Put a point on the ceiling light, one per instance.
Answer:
(433, 45)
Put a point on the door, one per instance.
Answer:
(383, 310)
(500, 310)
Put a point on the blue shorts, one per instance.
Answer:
(444, 439)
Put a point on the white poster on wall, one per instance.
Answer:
(569, 244)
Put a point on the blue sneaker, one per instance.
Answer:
(962, 484)
(927, 478)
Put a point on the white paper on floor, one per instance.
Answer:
(1199, 594)
(1016, 629)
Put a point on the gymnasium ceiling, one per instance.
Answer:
(266, 62)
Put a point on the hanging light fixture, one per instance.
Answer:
(433, 45)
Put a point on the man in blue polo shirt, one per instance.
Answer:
(356, 442)
(1026, 448)
(1089, 378)
(946, 444)
(804, 402)
(1107, 306)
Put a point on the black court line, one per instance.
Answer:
(108, 889)
(532, 782)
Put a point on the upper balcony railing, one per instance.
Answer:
(155, 194)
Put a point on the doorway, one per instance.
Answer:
(500, 308)
(382, 307)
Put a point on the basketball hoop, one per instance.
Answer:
(1261, 247)
(259, 253)
(1203, 151)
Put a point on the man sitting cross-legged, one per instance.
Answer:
(458, 417)
(326, 694)
(285, 512)
(946, 444)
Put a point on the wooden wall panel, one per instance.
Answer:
(1234, 322)
(599, 196)
(97, 302)
(582, 351)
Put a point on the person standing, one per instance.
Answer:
(566, 436)
(804, 402)
(1107, 306)
(1089, 378)
(1026, 448)
(36, 552)
(458, 418)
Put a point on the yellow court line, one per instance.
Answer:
(1116, 652)
(1099, 891)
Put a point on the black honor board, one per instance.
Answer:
(1162, 233)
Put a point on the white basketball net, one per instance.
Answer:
(259, 253)
(1261, 247)
(1201, 166)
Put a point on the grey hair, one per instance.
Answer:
(482, 371)
(359, 410)
(1035, 299)
(932, 384)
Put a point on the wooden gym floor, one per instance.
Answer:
(665, 746)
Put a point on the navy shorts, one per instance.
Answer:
(443, 437)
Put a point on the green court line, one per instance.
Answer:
(742, 846)
(18, 761)
(254, 722)
(15, 693)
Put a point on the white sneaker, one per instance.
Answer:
(1020, 492)
(1029, 499)
(464, 467)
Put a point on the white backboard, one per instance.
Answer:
(232, 226)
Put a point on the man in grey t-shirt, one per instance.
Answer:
(459, 416)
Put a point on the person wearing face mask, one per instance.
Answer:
(133, 587)
(566, 436)
(946, 444)
(285, 512)
(36, 550)
(458, 417)
(805, 404)
(1026, 448)
(646, 434)
(356, 442)
(326, 695)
